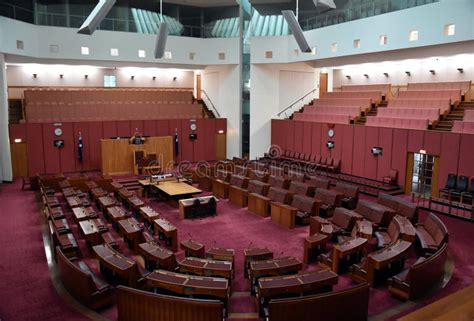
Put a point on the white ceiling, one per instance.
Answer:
(204, 3)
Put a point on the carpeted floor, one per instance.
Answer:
(26, 291)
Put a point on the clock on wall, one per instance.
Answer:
(331, 133)
(58, 131)
(193, 126)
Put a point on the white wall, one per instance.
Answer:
(429, 20)
(37, 41)
(6, 173)
(222, 84)
(274, 87)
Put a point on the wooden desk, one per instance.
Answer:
(343, 250)
(294, 285)
(131, 231)
(157, 257)
(51, 201)
(220, 188)
(176, 190)
(70, 191)
(220, 254)
(61, 226)
(83, 213)
(116, 186)
(90, 232)
(90, 185)
(114, 264)
(168, 232)
(314, 245)
(135, 203)
(283, 215)
(204, 267)
(193, 286)
(98, 192)
(74, 201)
(187, 205)
(56, 213)
(255, 254)
(320, 225)
(275, 267)
(104, 202)
(116, 214)
(238, 196)
(193, 248)
(364, 229)
(259, 204)
(148, 215)
(407, 230)
(124, 193)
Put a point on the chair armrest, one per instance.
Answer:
(395, 282)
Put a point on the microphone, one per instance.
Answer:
(249, 246)
(214, 244)
(280, 254)
(190, 237)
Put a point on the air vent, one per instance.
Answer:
(269, 54)
(53, 48)
(168, 55)
(20, 45)
(192, 55)
(221, 55)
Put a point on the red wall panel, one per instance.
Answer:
(95, 135)
(221, 124)
(384, 161)
(466, 156)
(298, 136)
(307, 137)
(175, 124)
(338, 139)
(149, 128)
(137, 124)
(432, 143)
(448, 161)
(347, 133)
(370, 162)
(316, 139)
(163, 128)
(210, 140)
(17, 131)
(51, 153)
(200, 142)
(82, 128)
(34, 138)
(124, 129)
(67, 154)
(187, 146)
(415, 140)
(110, 129)
(358, 158)
(399, 153)
(290, 135)
(278, 133)
(325, 151)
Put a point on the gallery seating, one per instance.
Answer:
(423, 275)
(350, 194)
(464, 86)
(329, 201)
(450, 185)
(469, 115)
(383, 88)
(374, 95)
(454, 95)
(432, 114)
(391, 178)
(444, 105)
(431, 234)
(353, 112)
(406, 123)
(399, 205)
(376, 213)
(461, 187)
(355, 301)
(330, 119)
(82, 284)
(364, 103)
(305, 208)
(463, 127)
(158, 307)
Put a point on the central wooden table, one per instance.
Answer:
(175, 189)
(205, 267)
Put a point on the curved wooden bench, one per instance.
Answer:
(399, 205)
(133, 304)
(431, 234)
(346, 305)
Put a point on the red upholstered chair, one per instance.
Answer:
(391, 178)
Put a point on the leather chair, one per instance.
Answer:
(432, 234)
(461, 187)
(391, 178)
(389, 235)
(329, 201)
(450, 185)
(343, 221)
(467, 196)
(305, 208)
(350, 194)
(279, 181)
(301, 188)
(318, 182)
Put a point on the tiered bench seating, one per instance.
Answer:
(464, 127)
(454, 95)
(421, 124)
(329, 119)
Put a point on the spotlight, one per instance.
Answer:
(433, 72)
(154, 77)
(366, 76)
(86, 76)
(61, 76)
(348, 77)
(461, 70)
(132, 77)
(35, 76)
(408, 73)
(330, 144)
(385, 74)
(174, 78)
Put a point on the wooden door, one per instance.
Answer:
(19, 159)
(198, 86)
(409, 173)
(221, 146)
(434, 178)
(323, 84)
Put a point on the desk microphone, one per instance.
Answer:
(214, 244)
(249, 246)
(280, 254)
(190, 237)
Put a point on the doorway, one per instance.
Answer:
(198, 86)
(323, 84)
(424, 174)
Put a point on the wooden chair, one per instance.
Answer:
(26, 183)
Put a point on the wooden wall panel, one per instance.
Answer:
(110, 129)
(448, 162)
(399, 153)
(370, 161)
(307, 137)
(199, 147)
(124, 129)
(67, 154)
(163, 128)
(17, 131)
(149, 128)
(298, 136)
(117, 154)
(290, 135)
(466, 156)
(187, 146)
(51, 153)
(95, 135)
(347, 149)
(358, 159)
(338, 139)
(316, 139)
(19, 154)
(82, 128)
(137, 124)
(34, 136)
(210, 140)
(384, 161)
(432, 143)
(415, 140)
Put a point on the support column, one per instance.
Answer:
(6, 173)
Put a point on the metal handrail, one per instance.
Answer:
(212, 104)
(296, 101)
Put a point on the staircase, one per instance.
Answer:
(130, 183)
(446, 124)
(208, 113)
(15, 111)
(372, 112)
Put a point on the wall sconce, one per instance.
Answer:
(221, 131)
(35, 76)
(174, 78)
(422, 151)
(385, 74)
(408, 73)
(17, 140)
(433, 72)
(61, 76)
(330, 144)
(366, 76)
(132, 77)
(154, 77)
(86, 76)
(461, 70)
(348, 77)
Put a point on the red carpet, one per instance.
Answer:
(26, 292)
